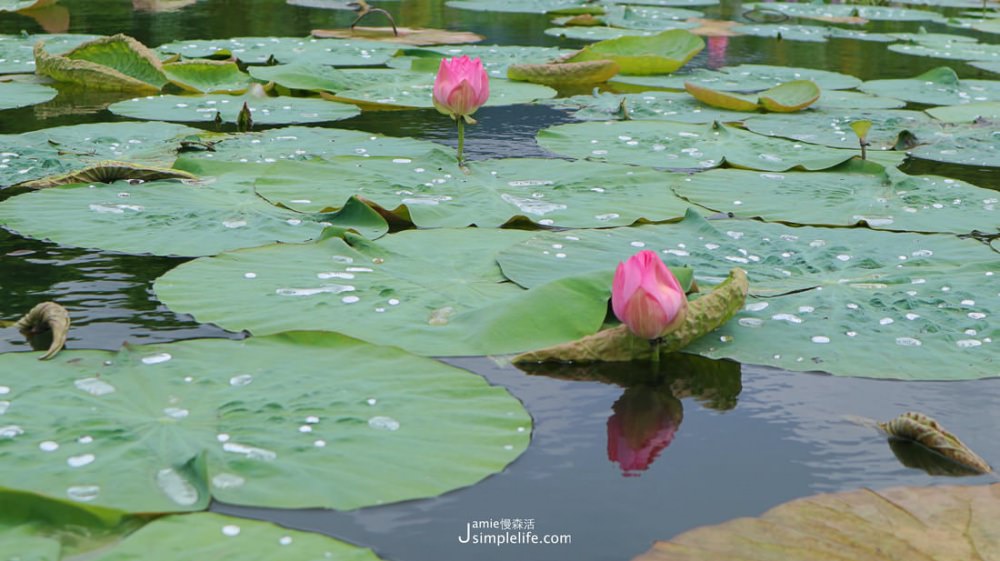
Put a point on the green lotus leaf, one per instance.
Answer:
(399, 89)
(432, 292)
(833, 128)
(744, 78)
(979, 52)
(865, 525)
(496, 58)
(810, 33)
(302, 76)
(658, 54)
(940, 86)
(993, 67)
(166, 428)
(648, 18)
(20, 94)
(306, 143)
(108, 172)
(976, 22)
(18, 5)
(880, 198)
(118, 62)
(668, 3)
(280, 110)
(207, 76)
(59, 150)
(564, 74)
(790, 96)
(431, 192)
(515, 6)
(672, 145)
(944, 3)
(605, 33)
(835, 12)
(421, 37)
(721, 99)
(967, 113)
(837, 99)
(644, 106)
(971, 146)
(38, 528)
(287, 50)
(851, 302)
(924, 37)
(17, 51)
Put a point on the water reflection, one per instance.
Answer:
(643, 424)
(913, 455)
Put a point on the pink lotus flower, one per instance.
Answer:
(647, 297)
(461, 87)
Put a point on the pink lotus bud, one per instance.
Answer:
(461, 86)
(647, 297)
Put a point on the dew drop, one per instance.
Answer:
(4, 406)
(372, 401)
(83, 493)
(231, 530)
(10, 431)
(227, 481)
(85, 439)
(350, 299)
(4, 390)
(821, 339)
(240, 380)
(968, 302)
(176, 412)
(251, 452)
(157, 358)
(638, 244)
(393, 302)
(176, 487)
(844, 257)
(508, 446)
(790, 318)
(976, 315)
(751, 322)
(852, 333)
(334, 275)
(806, 309)
(968, 343)
(852, 306)
(319, 443)
(312, 419)
(922, 253)
(342, 259)
(305, 428)
(81, 460)
(908, 342)
(383, 423)
(885, 321)
(222, 437)
(912, 316)
(756, 306)
(94, 386)
(285, 540)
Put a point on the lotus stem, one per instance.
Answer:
(461, 138)
(365, 10)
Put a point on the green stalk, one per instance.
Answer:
(461, 138)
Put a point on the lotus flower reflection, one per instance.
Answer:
(643, 425)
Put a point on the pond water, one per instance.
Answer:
(747, 438)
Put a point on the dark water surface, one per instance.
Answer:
(745, 439)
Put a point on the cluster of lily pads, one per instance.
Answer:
(350, 257)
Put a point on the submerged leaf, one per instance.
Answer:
(929, 433)
(47, 316)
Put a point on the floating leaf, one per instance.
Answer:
(671, 145)
(108, 172)
(721, 99)
(434, 292)
(835, 12)
(993, 67)
(20, 94)
(659, 54)
(59, 150)
(16, 51)
(564, 74)
(929, 433)
(618, 344)
(649, 18)
(980, 52)
(856, 194)
(967, 113)
(833, 128)
(303, 76)
(972, 146)
(851, 302)
(118, 62)
(207, 76)
(861, 128)
(645, 106)
(605, 33)
(401, 35)
(891, 525)
(515, 6)
(495, 58)
(940, 86)
(430, 192)
(166, 428)
(286, 50)
(265, 110)
(744, 78)
(790, 96)
(50, 317)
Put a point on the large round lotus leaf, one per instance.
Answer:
(432, 292)
(670, 3)
(160, 217)
(721, 99)
(944, 3)
(658, 54)
(16, 55)
(496, 58)
(972, 146)
(785, 31)
(837, 99)
(899, 524)
(833, 128)
(851, 302)
(599, 33)
(516, 6)
(881, 198)
(673, 145)
(790, 96)
(302, 76)
(305, 143)
(432, 192)
(403, 89)
(287, 50)
(952, 51)
(834, 12)
(296, 420)
(745, 78)
(648, 18)
(19, 94)
(644, 106)
(264, 110)
(993, 67)
(940, 86)
(59, 150)
(924, 37)
(967, 113)
(207, 76)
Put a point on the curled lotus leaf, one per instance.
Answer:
(108, 172)
(898, 524)
(721, 99)
(564, 74)
(47, 316)
(929, 433)
(116, 63)
(618, 344)
(790, 96)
